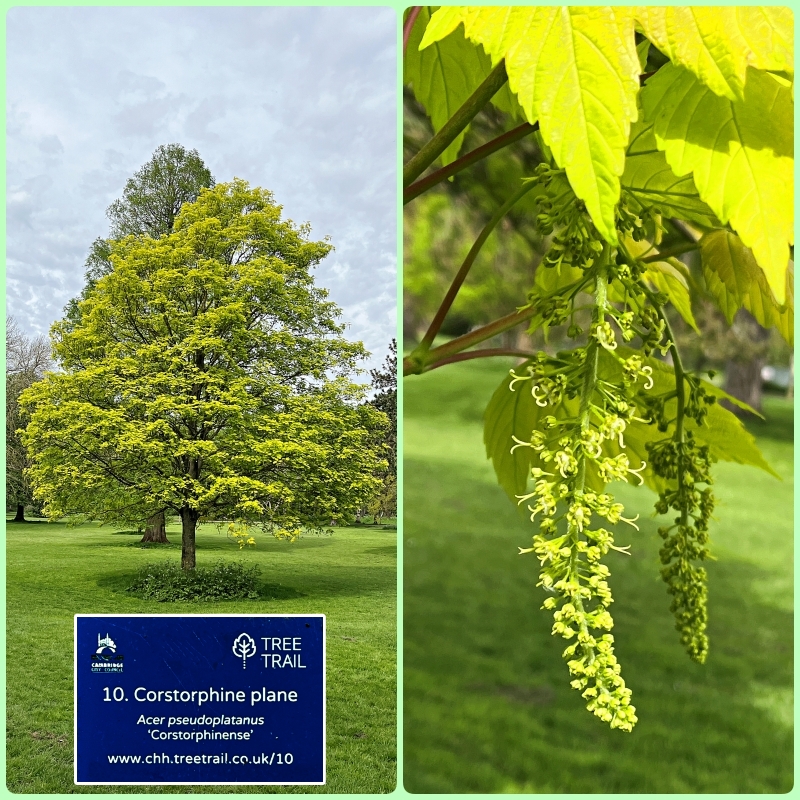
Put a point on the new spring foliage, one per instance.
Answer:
(644, 115)
(722, 110)
(207, 376)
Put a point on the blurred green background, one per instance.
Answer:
(488, 707)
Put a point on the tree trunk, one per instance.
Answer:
(189, 529)
(20, 514)
(743, 381)
(743, 374)
(156, 530)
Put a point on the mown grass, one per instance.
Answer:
(487, 702)
(54, 572)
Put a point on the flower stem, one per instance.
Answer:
(680, 394)
(409, 25)
(584, 416)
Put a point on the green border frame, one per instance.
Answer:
(397, 7)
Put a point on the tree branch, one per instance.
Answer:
(461, 275)
(409, 25)
(684, 229)
(472, 105)
(677, 250)
(488, 352)
(415, 363)
(498, 143)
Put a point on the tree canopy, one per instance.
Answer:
(150, 203)
(207, 376)
(384, 386)
(154, 195)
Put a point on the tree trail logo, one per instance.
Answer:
(245, 646)
(106, 661)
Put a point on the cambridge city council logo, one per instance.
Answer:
(106, 658)
(244, 646)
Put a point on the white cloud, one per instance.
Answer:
(300, 100)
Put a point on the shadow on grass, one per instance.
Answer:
(371, 526)
(389, 550)
(327, 579)
(153, 545)
(120, 583)
(221, 545)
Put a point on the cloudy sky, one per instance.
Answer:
(301, 101)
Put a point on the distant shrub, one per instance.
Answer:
(167, 582)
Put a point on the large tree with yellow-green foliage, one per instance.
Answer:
(207, 375)
(149, 206)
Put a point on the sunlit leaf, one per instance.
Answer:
(739, 153)
(664, 277)
(444, 75)
(576, 71)
(736, 281)
(649, 182)
(718, 44)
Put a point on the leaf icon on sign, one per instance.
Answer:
(244, 645)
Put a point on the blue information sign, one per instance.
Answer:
(199, 699)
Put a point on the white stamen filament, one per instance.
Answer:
(519, 443)
(638, 472)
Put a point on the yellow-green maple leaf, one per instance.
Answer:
(740, 155)
(575, 70)
(445, 75)
(718, 44)
(650, 183)
(736, 281)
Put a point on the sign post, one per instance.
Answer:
(199, 699)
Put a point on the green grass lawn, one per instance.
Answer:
(54, 572)
(487, 702)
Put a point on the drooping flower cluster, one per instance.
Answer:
(686, 466)
(579, 445)
(572, 457)
(678, 459)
